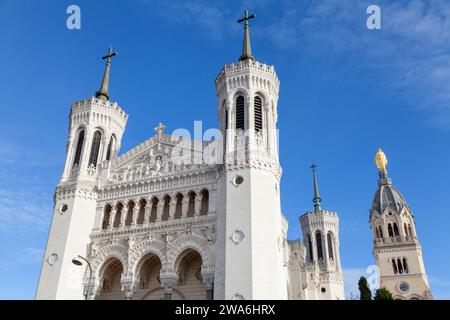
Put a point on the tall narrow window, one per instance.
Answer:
(330, 246)
(258, 114)
(319, 245)
(399, 266)
(110, 145)
(240, 113)
(95, 148)
(394, 267)
(391, 233)
(80, 142)
(396, 232)
(310, 248)
(405, 266)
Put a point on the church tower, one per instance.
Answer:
(95, 132)
(250, 239)
(323, 273)
(396, 246)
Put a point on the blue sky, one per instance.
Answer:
(345, 91)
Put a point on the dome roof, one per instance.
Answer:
(387, 196)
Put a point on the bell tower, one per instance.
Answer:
(95, 131)
(396, 246)
(324, 278)
(249, 221)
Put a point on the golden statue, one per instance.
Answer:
(381, 161)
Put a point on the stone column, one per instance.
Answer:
(128, 288)
(148, 210)
(208, 281)
(168, 282)
(123, 215)
(160, 208)
(112, 216)
(184, 205)
(198, 202)
(135, 212)
(172, 206)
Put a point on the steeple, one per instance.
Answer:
(317, 200)
(103, 92)
(246, 47)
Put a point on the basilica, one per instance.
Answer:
(178, 218)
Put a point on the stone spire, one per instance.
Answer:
(246, 47)
(103, 92)
(317, 200)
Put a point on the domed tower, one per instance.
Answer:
(323, 273)
(396, 247)
(249, 245)
(95, 132)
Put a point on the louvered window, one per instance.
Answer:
(258, 114)
(95, 148)
(330, 246)
(240, 113)
(319, 246)
(80, 142)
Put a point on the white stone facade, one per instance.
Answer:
(159, 221)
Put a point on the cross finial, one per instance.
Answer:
(103, 92)
(316, 200)
(246, 47)
(160, 129)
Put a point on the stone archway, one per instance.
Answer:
(110, 280)
(188, 267)
(148, 272)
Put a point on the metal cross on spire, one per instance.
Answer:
(103, 92)
(316, 200)
(246, 47)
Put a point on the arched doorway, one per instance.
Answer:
(110, 276)
(188, 267)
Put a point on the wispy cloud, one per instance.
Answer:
(410, 55)
(25, 197)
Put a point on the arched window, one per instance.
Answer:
(391, 233)
(405, 266)
(154, 209)
(330, 245)
(141, 214)
(95, 148)
(240, 113)
(166, 208)
(106, 217)
(191, 204)
(204, 208)
(129, 214)
(394, 267)
(399, 266)
(310, 248)
(110, 146)
(319, 245)
(396, 232)
(380, 231)
(258, 114)
(80, 142)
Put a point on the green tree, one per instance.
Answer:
(364, 289)
(383, 294)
